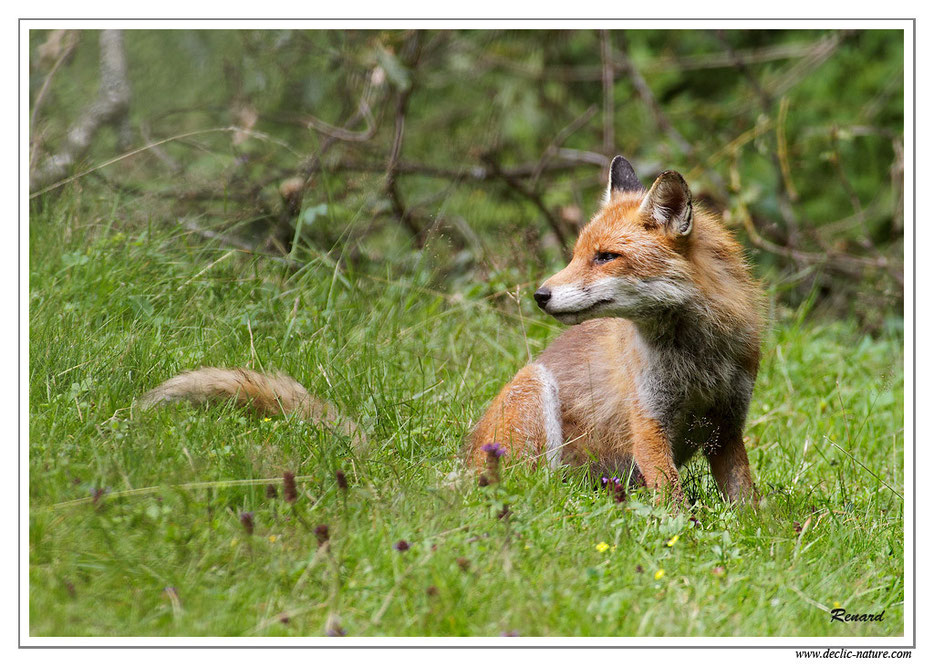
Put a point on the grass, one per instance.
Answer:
(117, 308)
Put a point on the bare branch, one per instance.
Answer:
(782, 141)
(392, 186)
(111, 107)
(606, 56)
(786, 193)
(764, 98)
(676, 63)
(648, 98)
(67, 43)
(898, 183)
(235, 243)
(172, 164)
(565, 159)
(124, 156)
(342, 133)
(533, 197)
(839, 262)
(555, 145)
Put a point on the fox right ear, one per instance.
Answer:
(668, 203)
(622, 178)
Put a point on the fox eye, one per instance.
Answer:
(604, 257)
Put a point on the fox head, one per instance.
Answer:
(630, 260)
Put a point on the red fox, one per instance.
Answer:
(663, 357)
(267, 394)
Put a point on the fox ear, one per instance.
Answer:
(622, 178)
(668, 203)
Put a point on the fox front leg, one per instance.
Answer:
(729, 465)
(651, 451)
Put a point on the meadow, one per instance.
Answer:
(138, 521)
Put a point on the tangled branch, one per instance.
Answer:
(110, 108)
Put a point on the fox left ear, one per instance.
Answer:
(622, 178)
(668, 202)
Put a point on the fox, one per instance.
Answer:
(662, 357)
(266, 394)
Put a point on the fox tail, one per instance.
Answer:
(266, 394)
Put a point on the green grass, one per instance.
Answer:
(117, 308)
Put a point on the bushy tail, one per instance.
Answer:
(267, 394)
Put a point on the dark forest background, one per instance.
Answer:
(478, 154)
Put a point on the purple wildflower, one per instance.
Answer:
(494, 449)
(616, 486)
(322, 533)
(271, 491)
(288, 486)
(246, 518)
(401, 545)
(341, 480)
(494, 452)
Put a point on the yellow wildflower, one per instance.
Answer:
(659, 574)
(673, 540)
(603, 546)
(273, 538)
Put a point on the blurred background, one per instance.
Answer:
(475, 156)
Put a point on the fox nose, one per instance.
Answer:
(542, 295)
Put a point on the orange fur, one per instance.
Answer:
(514, 419)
